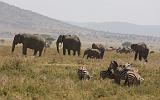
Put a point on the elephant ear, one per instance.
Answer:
(63, 36)
(133, 46)
(21, 38)
(94, 46)
(60, 39)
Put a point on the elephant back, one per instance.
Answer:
(72, 37)
(143, 45)
(33, 39)
(97, 46)
(139, 46)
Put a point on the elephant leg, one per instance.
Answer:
(24, 49)
(96, 57)
(102, 53)
(40, 52)
(64, 51)
(69, 53)
(87, 56)
(78, 52)
(136, 54)
(146, 55)
(140, 56)
(35, 52)
(74, 52)
(99, 57)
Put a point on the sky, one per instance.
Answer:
(143, 12)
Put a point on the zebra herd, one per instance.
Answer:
(117, 72)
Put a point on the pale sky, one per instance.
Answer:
(144, 12)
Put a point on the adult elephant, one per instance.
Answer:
(92, 53)
(140, 49)
(70, 42)
(100, 47)
(29, 41)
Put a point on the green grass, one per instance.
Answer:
(54, 77)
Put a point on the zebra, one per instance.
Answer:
(133, 78)
(123, 73)
(83, 73)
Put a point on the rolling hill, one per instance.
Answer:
(122, 27)
(14, 19)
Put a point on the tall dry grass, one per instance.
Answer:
(54, 77)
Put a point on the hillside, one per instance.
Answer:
(14, 19)
(122, 27)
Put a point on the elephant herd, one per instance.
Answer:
(71, 43)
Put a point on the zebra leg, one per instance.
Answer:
(88, 77)
(126, 81)
(117, 80)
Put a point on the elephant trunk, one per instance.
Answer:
(13, 46)
(57, 43)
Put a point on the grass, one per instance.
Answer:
(54, 77)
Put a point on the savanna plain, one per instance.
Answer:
(54, 77)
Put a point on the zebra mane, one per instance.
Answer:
(114, 63)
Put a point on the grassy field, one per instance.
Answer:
(54, 77)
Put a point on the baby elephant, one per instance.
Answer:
(92, 53)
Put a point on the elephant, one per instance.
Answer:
(70, 42)
(92, 53)
(36, 43)
(142, 50)
(100, 47)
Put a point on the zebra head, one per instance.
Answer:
(83, 73)
(113, 66)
